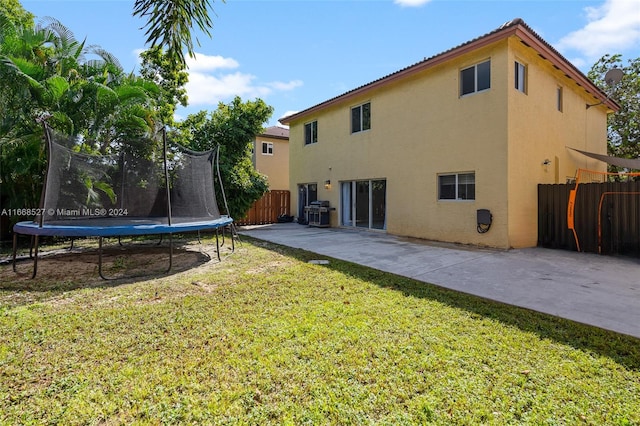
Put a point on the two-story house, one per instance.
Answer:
(476, 128)
(271, 156)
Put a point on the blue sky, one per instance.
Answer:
(294, 54)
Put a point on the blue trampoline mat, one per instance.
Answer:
(118, 226)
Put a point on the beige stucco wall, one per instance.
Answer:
(539, 132)
(276, 166)
(421, 127)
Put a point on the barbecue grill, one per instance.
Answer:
(318, 213)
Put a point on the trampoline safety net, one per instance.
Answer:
(127, 187)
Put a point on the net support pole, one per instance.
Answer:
(224, 199)
(166, 173)
(224, 196)
(43, 194)
(166, 181)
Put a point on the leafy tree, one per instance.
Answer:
(14, 12)
(44, 71)
(623, 126)
(19, 45)
(170, 78)
(170, 22)
(22, 158)
(234, 126)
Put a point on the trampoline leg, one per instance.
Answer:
(100, 259)
(170, 252)
(15, 248)
(31, 254)
(35, 257)
(100, 252)
(217, 244)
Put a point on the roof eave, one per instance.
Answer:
(519, 29)
(547, 52)
(264, 135)
(398, 75)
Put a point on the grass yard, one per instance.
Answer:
(265, 337)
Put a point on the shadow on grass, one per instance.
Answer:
(623, 349)
(65, 269)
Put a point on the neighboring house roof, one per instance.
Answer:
(276, 132)
(515, 27)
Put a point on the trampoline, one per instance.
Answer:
(134, 193)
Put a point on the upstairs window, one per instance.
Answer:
(457, 186)
(559, 100)
(267, 148)
(476, 78)
(361, 118)
(520, 77)
(311, 133)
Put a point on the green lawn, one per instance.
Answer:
(264, 337)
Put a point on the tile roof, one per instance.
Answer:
(514, 27)
(276, 132)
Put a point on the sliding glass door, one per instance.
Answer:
(307, 193)
(363, 203)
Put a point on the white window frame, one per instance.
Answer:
(360, 109)
(520, 77)
(269, 148)
(457, 186)
(313, 126)
(475, 78)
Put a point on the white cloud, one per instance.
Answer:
(285, 86)
(206, 89)
(209, 83)
(611, 28)
(203, 63)
(411, 3)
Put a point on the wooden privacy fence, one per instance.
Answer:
(267, 209)
(607, 217)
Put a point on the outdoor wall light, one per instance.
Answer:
(327, 184)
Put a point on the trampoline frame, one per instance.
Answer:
(127, 227)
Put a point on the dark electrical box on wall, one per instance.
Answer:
(484, 219)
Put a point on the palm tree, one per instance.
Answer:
(44, 71)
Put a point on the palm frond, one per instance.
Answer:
(21, 69)
(56, 86)
(6, 28)
(107, 57)
(170, 22)
(63, 34)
